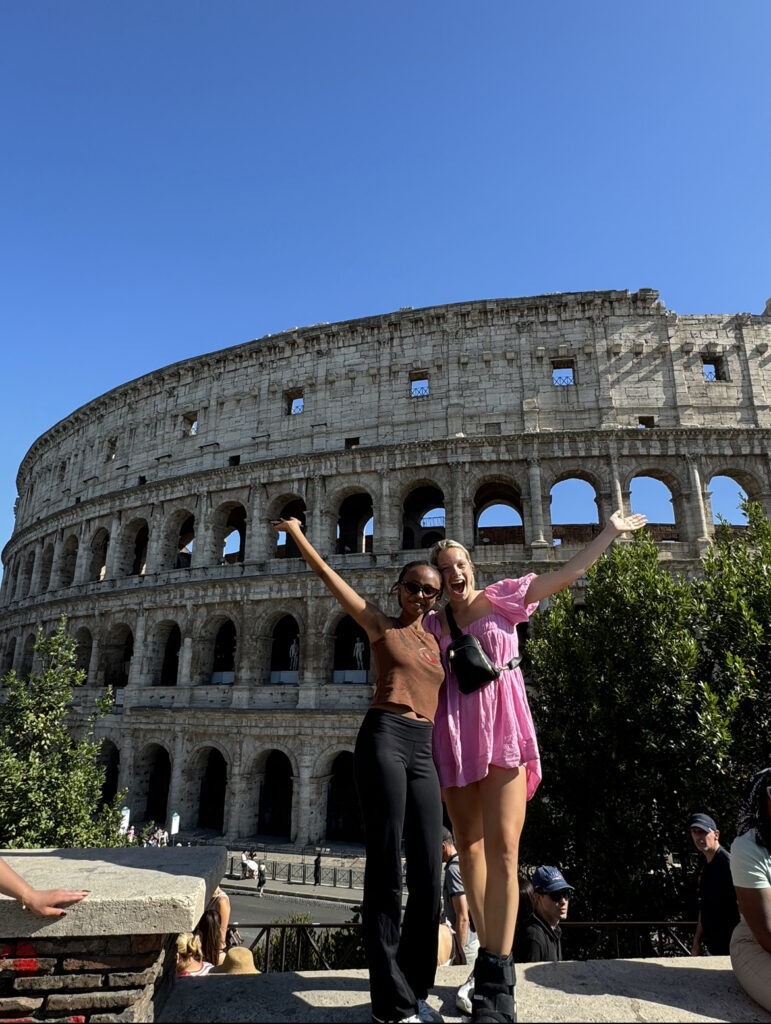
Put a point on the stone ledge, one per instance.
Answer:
(656, 990)
(140, 891)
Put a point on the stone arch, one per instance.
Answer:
(224, 653)
(84, 646)
(274, 813)
(163, 645)
(152, 779)
(353, 514)
(132, 554)
(419, 528)
(351, 654)
(499, 494)
(118, 652)
(343, 818)
(178, 540)
(109, 760)
(658, 526)
(25, 578)
(285, 650)
(9, 655)
(209, 783)
(46, 566)
(68, 562)
(288, 507)
(581, 523)
(97, 562)
(743, 480)
(229, 525)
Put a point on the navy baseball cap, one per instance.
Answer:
(703, 821)
(548, 879)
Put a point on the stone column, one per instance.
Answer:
(185, 662)
(617, 497)
(260, 536)
(176, 784)
(388, 526)
(34, 583)
(697, 503)
(154, 542)
(458, 524)
(92, 679)
(301, 801)
(234, 797)
(136, 677)
(112, 557)
(538, 542)
(126, 772)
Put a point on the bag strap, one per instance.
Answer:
(456, 634)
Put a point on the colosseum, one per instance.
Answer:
(240, 685)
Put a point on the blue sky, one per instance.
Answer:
(183, 176)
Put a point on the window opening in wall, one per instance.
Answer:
(418, 387)
(142, 480)
(190, 424)
(646, 422)
(562, 373)
(351, 442)
(234, 460)
(713, 368)
(294, 402)
(112, 446)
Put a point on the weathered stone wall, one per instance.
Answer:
(124, 508)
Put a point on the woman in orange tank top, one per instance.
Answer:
(397, 785)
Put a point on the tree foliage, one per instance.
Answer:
(50, 778)
(651, 701)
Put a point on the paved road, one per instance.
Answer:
(253, 910)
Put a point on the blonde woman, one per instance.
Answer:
(486, 750)
(190, 961)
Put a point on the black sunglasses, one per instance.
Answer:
(559, 895)
(419, 588)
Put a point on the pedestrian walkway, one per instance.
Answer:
(691, 990)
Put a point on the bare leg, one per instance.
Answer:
(464, 808)
(502, 795)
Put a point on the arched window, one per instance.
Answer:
(119, 651)
(574, 515)
(69, 561)
(275, 815)
(654, 499)
(423, 518)
(45, 568)
(170, 663)
(498, 515)
(285, 546)
(344, 823)
(98, 561)
(211, 801)
(285, 651)
(224, 663)
(354, 516)
(351, 657)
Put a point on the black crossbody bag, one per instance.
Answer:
(468, 660)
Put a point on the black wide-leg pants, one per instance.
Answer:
(400, 798)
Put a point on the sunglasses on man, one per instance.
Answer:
(559, 895)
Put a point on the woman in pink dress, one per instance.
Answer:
(486, 751)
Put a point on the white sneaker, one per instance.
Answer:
(428, 1013)
(465, 995)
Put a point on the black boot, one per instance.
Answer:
(510, 974)
(493, 1001)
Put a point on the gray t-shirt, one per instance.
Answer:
(453, 886)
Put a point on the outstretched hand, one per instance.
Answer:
(628, 524)
(286, 525)
(47, 902)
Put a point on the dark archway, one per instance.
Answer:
(351, 656)
(158, 782)
(285, 651)
(355, 512)
(344, 823)
(170, 664)
(109, 759)
(211, 803)
(118, 654)
(285, 546)
(423, 513)
(224, 662)
(275, 815)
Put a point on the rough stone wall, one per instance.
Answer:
(102, 978)
(451, 407)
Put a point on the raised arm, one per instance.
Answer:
(370, 618)
(552, 582)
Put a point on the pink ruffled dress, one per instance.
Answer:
(493, 725)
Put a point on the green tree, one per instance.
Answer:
(733, 623)
(50, 778)
(629, 732)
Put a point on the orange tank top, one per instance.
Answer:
(409, 669)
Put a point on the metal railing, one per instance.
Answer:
(312, 946)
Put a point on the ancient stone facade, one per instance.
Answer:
(240, 685)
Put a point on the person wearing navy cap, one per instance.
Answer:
(718, 911)
(541, 938)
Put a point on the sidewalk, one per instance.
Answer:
(331, 893)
